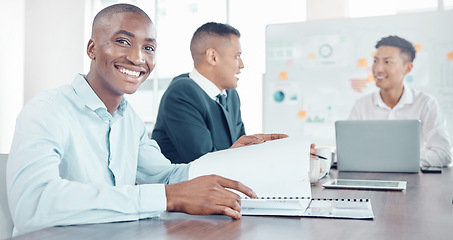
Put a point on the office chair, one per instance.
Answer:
(6, 222)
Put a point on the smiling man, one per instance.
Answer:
(200, 111)
(79, 150)
(395, 100)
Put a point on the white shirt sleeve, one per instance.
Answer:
(436, 150)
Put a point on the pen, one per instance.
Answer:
(316, 155)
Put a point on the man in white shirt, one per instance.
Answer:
(395, 100)
(79, 150)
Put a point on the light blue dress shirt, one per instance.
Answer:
(71, 162)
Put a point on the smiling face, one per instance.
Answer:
(390, 67)
(122, 49)
(228, 64)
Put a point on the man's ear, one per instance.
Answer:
(409, 67)
(211, 56)
(91, 50)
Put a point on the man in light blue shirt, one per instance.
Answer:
(79, 150)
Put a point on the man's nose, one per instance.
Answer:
(136, 56)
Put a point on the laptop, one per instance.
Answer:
(378, 145)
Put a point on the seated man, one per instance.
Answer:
(200, 112)
(395, 100)
(79, 150)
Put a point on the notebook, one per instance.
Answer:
(322, 208)
(378, 145)
(278, 172)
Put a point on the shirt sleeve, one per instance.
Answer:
(435, 137)
(38, 197)
(154, 167)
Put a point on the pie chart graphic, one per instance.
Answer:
(279, 96)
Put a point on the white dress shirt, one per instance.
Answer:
(71, 162)
(209, 87)
(414, 104)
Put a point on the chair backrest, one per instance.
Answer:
(6, 222)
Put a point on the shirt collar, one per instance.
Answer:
(90, 98)
(209, 87)
(406, 98)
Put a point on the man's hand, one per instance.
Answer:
(207, 195)
(245, 140)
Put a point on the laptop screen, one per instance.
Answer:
(378, 145)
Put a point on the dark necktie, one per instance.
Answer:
(222, 100)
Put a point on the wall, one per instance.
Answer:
(326, 9)
(54, 43)
(11, 68)
(42, 48)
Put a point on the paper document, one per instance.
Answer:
(276, 170)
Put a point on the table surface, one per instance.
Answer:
(423, 211)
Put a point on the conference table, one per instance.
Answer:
(424, 210)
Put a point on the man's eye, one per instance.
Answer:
(149, 48)
(122, 41)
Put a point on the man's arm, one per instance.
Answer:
(437, 151)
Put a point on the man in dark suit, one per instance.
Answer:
(200, 111)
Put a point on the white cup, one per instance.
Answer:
(314, 169)
(325, 164)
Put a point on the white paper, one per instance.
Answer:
(276, 170)
(340, 208)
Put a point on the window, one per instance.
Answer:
(360, 8)
(448, 4)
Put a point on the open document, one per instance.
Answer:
(276, 170)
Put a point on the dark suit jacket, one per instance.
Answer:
(190, 124)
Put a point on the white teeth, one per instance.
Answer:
(130, 72)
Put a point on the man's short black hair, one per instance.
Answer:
(207, 35)
(106, 13)
(394, 41)
(219, 29)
